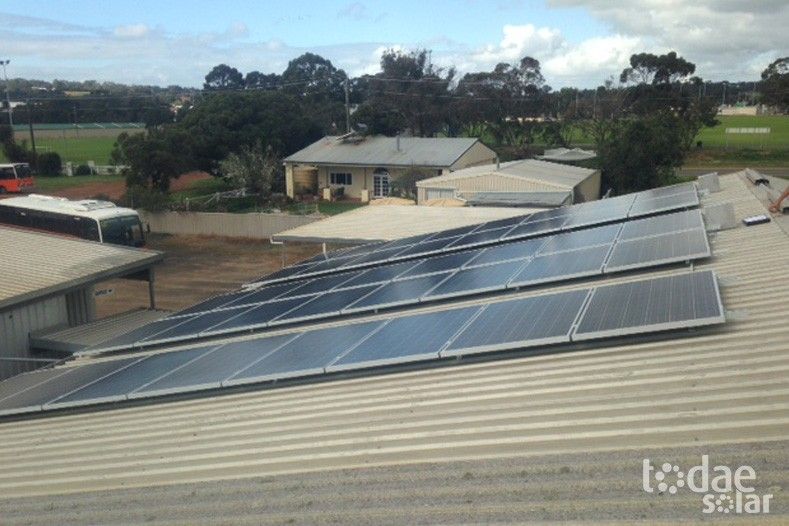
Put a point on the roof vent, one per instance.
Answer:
(709, 183)
(719, 217)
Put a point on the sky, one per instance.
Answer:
(578, 42)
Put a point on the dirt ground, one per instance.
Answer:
(115, 189)
(196, 268)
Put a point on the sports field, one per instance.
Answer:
(777, 139)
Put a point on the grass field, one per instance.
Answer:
(777, 139)
(78, 150)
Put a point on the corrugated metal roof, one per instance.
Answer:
(384, 223)
(72, 339)
(554, 175)
(519, 199)
(36, 264)
(383, 151)
(567, 155)
(693, 390)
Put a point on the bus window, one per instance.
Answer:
(7, 174)
(124, 230)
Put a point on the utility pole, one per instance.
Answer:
(30, 125)
(7, 95)
(347, 108)
(76, 128)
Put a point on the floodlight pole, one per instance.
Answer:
(7, 96)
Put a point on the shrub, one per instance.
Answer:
(83, 169)
(49, 164)
(146, 199)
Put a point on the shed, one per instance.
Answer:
(48, 282)
(525, 176)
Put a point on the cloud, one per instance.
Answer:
(726, 39)
(132, 31)
(354, 11)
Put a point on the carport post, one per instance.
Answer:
(151, 293)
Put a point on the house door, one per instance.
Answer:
(380, 184)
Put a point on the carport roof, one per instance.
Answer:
(37, 265)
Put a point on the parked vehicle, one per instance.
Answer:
(91, 219)
(16, 178)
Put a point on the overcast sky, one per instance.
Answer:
(578, 42)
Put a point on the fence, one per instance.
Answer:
(251, 225)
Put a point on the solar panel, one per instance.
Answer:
(211, 304)
(428, 247)
(685, 220)
(22, 382)
(671, 302)
(661, 204)
(476, 280)
(329, 304)
(130, 338)
(508, 251)
(479, 238)
(527, 322)
(507, 221)
(536, 228)
(211, 369)
(406, 339)
(192, 327)
(400, 292)
(666, 191)
(381, 274)
(407, 241)
(305, 355)
(323, 284)
(580, 239)
(456, 232)
(255, 317)
(264, 294)
(659, 250)
(562, 265)
(114, 387)
(595, 217)
(32, 399)
(438, 264)
(326, 266)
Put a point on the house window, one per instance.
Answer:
(340, 178)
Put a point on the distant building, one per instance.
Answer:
(364, 167)
(567, 155)
(526, 182)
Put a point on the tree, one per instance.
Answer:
(153, 158)
(253, 169)
(405, 185)
(223, 77)
(265, 81)
(14, 152)
(775, 84)
(313, 76)
(646, 68)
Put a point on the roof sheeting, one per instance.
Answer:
(520, 199)
(698, 389)
(383, 151)
(567, 155)
(554, 175)
(384, 223)
(37, 265)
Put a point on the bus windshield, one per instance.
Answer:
(123, 230)
(23, 171)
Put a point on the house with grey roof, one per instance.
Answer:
(365, 166)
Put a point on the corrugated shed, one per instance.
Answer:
(567, 155)
(36, 264)
(697, 390)
(384, 223)
(540, 175)
(384, 151)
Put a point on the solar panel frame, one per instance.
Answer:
(671, 245)
(566, 265)
(552, 316)
(276, 365)
(440, 327)
(601, 297)
(116, 386)
(213, 368)
(510, 269)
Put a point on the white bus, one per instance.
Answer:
(100, 221)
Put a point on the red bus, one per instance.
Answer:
(16, 178)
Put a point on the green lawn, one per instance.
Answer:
(78, 150)
(777, 139)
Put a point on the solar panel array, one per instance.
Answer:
(666, 303)
(615, 209)
(676, 237)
